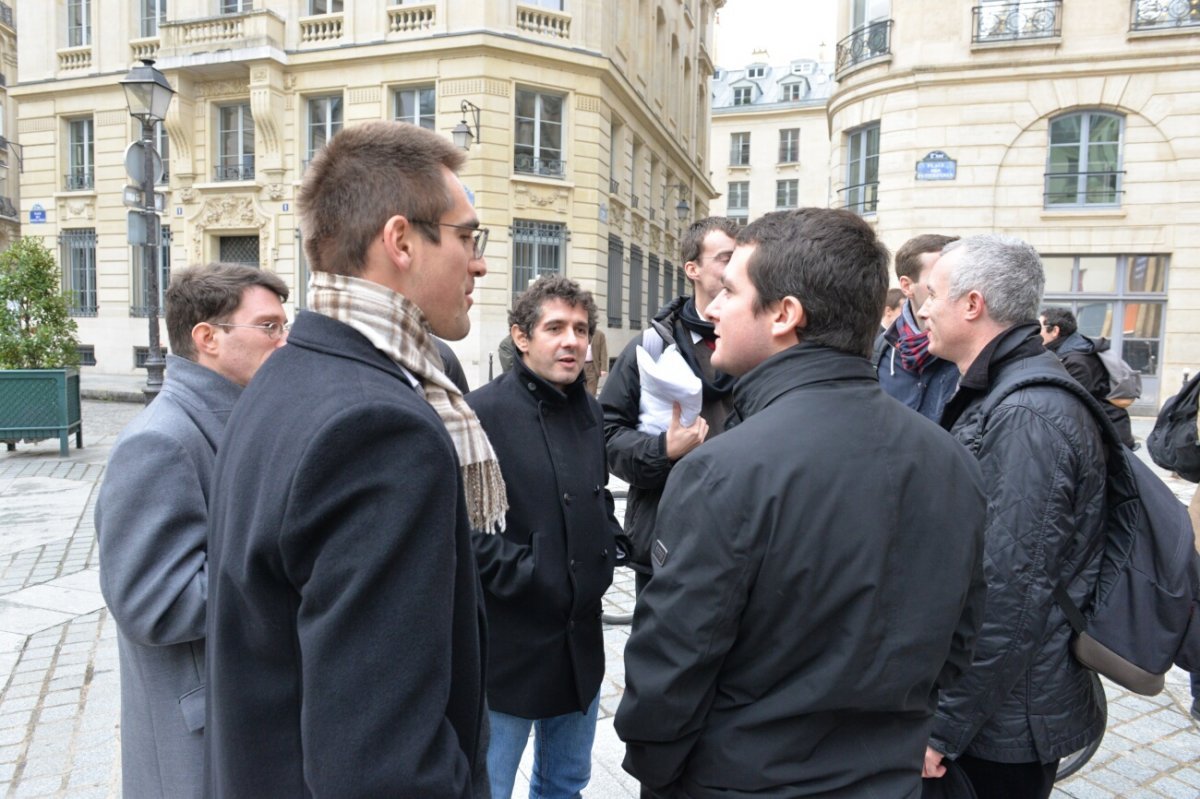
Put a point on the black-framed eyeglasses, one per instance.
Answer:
(274, 330)
(478, 234)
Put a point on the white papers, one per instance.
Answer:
(665, 382)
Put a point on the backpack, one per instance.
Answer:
(1125, 382)
(1173, 443)
(1144, 612)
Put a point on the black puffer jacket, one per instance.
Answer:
(1025, 698)
(1078, 354)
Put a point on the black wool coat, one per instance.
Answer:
(345, 619)
(545, 575)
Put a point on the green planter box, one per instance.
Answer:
(37, 404)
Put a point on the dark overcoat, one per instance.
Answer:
(345, 620)
(545, 576)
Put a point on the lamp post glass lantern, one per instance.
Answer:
(148, 95)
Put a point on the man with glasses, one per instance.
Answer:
(346, 622)
(223, 321)
(645, 459)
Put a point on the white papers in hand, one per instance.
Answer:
(665, 382)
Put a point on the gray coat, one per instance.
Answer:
(151, 522)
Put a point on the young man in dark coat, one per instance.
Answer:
(645, 459)
(907, 369)
(817, 574)
(346, 624)
(224, 321)
(1079, 354)
(545, 576)
(1025, 701)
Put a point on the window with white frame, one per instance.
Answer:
(78, 258)
(652, 277)
(1083, 163)
(743, 95)
(154, 13)
(616, 279)
(635, 286)
(162, 143)
(862, 169)
(324, 7)
(235, 143)
(140, 296)
(415, 105)
(539, 133)
(80, 153)
(79, 23)
(789, 145)
(787, 193)
(793, 92)
(236, 6)
(739, 196)
(756, 71)
(739, 149)
(324, 120)
(539, 248)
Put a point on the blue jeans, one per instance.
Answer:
(562, 753)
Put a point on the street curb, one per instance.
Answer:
(112, 395)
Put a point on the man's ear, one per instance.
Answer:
(399, 241)
(204, 339)
(906, 286)
(788, 319)
(975, 307)
(692, 270)
(520, 340)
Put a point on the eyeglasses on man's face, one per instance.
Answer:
(479, 235)
(274, 330)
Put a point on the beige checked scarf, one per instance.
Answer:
(397, 328)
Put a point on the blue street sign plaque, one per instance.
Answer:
(937, 166)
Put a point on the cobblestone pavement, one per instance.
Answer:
(59, 691)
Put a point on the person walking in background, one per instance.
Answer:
(595, 362)
(223, 322)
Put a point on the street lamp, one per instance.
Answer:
(148, 95)
(682, 209)
(463, 134)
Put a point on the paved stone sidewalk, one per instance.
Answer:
(59, 690)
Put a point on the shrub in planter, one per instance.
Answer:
(36, 329)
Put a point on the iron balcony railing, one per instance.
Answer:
(862, 198)
(1083, 188)
(1159, 14)
(870, 41)
(80, 179)
(1006, 22)
(614, 186)
(234, 172)
(549, 167)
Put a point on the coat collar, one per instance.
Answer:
(200, 385)
(541, 390)
(319, 333)
(1019, 341)
(803, 365)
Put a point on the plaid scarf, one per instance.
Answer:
(913, 345)
(396, 327)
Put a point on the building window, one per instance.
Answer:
(553, 5)
(652, 275)
(324, 7)
(616, 280)
(80, 164)
(239, 250)
(235, 143)
(87, 354)
(141, 277)
(1120, 297)
(79, 23)
(870, 34)
(1158, 15)
(236, 6)
(415, 106)
(79, 270)
(680, 283)
(539, 134)
(162, 143)
(743, 95)
(787, 193)
(154, 13)
(756, 71)
(794, 92)
(739, 196)
(862, 170)
(1084, 161)
(635, 286)
(538, 249)
(789, 145)
(324, 120)
(300, 294)
(1009, 20)
(668, 281)
(739, 149)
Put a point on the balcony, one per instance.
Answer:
(543, 22)
(412, 18)
(1019, 21)
(869, 42)
(245, 31)
(614, 186)
(321, 29)
(146, 47)
(233, 172)
(70, 58)
(1155, 15)
(546, 167)
(81, 179)
(1084, 189)
(862, 198)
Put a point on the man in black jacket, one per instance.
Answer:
(545, 575)
(1079, 354)
(645, 459)
(817, 573)
(1025, 702)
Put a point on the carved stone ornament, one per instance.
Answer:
(274, 191)
(187, 195)
(233, 213)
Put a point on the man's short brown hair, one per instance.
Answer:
(908, 257)
(365, 175)
(210, 293)
(894, 297)
(693, 237)
(527, 308)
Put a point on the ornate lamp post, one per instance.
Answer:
(148, 95)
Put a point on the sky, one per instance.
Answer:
(786, 29)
